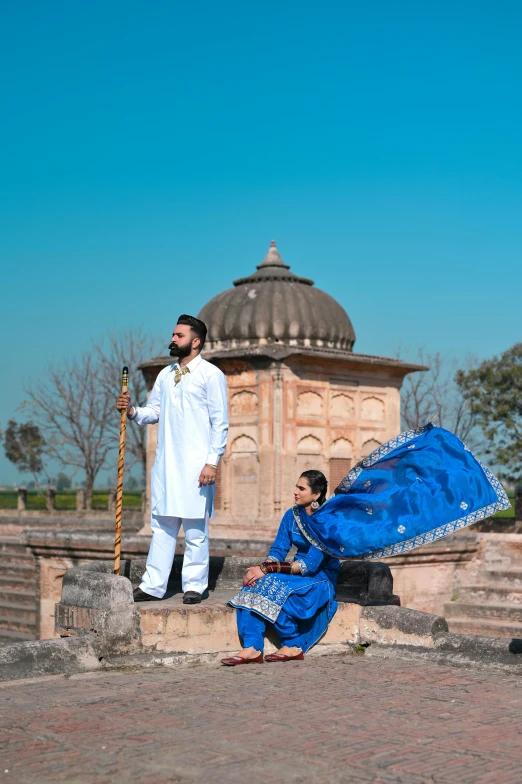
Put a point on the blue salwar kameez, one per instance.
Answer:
(418, 487)
(300, 606)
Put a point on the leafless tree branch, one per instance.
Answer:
(435, 393)
(128, 348)
(74, 405)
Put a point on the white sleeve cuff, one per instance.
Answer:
(213, 459)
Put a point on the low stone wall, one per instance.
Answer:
(57, 549)
(101, 626)
(426, 579)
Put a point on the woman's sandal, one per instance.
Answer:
(232, 661)
(280, 657)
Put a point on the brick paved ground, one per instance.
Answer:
(331, 719)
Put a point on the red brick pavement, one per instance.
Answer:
(327, 720)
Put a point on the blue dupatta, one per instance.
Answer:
(420, 486)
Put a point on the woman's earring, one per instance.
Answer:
(315, 504)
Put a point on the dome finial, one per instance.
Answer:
(272, 258)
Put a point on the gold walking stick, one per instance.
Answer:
(119, 487)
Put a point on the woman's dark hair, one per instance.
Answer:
(317, 482)
(198, 327)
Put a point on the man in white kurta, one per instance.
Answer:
(189, 403)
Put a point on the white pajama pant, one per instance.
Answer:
(194, 575)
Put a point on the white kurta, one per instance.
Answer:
(192, 419)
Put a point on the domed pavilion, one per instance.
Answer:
(299, 397)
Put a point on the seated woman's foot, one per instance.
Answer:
(286, 654)
(286, 651)
(245, 656)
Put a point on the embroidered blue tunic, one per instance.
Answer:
(303, 601)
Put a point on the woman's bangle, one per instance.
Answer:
(277, 567)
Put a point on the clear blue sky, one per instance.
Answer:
(150, 152)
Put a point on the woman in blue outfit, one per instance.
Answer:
(420, 486)
(298, 597)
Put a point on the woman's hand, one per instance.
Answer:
(253, 573)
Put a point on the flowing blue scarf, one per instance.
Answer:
(417, 488)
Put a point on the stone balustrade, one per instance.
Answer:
(83, 499)
(22, 499)
(50, 499)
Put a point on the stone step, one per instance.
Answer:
(21, 570)
(17, 597)
(513, 576)
(10, 623)
(7, 636)
(17, 611)
(485, 628)
(484, 610)
(10, 583)
(359, 581)
(22, 556)
(170, 626)
(10, 542)
(491, 592)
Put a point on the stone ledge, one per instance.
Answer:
(497, 654)
(171, 627)
(362, 582)
(98, 542)
(400, 626)
(472, 645)
(98, 617)
(94, 600)
(48, 657)
(82, 543)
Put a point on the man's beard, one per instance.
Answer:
(180, 351)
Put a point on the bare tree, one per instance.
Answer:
(434, 393)
(127, 348)
(71, 407)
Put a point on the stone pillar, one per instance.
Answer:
(80, 499)
(111, 500)
(518, 502)
(50, 499)
(22, 499)
(143, 501)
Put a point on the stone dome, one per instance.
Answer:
(275, 306)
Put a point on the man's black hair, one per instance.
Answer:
(196, 325)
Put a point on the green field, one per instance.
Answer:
(66, 500)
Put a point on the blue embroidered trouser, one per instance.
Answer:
(252, 627)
